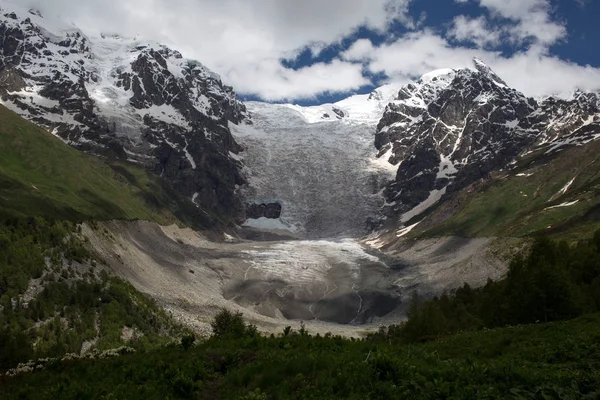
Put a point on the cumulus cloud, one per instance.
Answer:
(359, 51)
(534, 71)
(474, 30)
(243, 40)
(532, 20)
(518, 21)
(304, 83)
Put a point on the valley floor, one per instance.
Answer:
(342, 286)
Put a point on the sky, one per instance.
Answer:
(318, 51)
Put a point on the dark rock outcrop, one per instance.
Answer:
(263, 210)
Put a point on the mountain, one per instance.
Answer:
(453, 128)
(125, 99)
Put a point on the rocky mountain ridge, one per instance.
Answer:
(126, 99)
(452, 128)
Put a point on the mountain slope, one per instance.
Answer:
(454, 128)
(555, 360)
(41, 176)
(557, 194)
(125, 99)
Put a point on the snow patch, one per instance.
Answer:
(362, 108)
(382, 163)
(512, 124)
(446, 168)
(188, 155)
(567, 186)
(434, 197)
(375, 243)
(406, 231)
(441, 75)
(165, 113)
(567, 204)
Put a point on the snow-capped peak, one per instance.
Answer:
(442, 75)
(486, 70)
(55, 27)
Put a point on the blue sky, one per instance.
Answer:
(316, 51)
(581, 20)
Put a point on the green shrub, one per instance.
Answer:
(229, 324)
(187, 341)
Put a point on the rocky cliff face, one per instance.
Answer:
(454, 127)
(126, 99)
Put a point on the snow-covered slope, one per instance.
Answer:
(362, 108)
(454, 127)
(322, 170)
(124, 98)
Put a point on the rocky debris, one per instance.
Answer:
(43, 363)
(128, 334)
(266, 210)
(455, 127)
(126, 99)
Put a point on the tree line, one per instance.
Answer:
(554, 281)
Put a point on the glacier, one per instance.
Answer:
(319, 163)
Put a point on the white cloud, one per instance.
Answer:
(242, 40)
(474, 30)
(359, 50)
(533, 72)
(532, 18)
(538, 74)
(287, 84)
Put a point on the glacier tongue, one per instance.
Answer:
(324, 174)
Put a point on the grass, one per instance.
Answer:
(42, 176)
(519, 205)
(557, 361)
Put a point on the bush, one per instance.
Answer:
(187, 341)
(229, 324)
